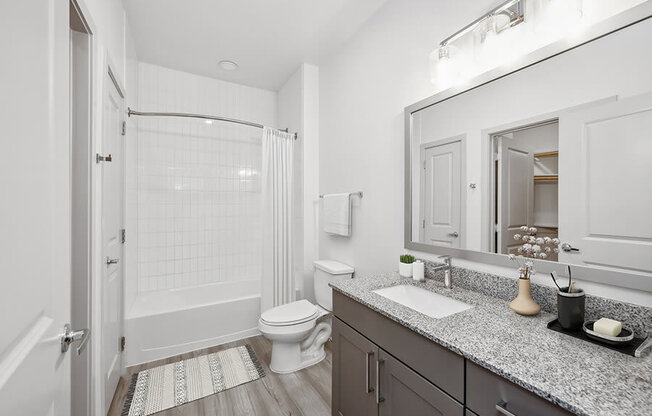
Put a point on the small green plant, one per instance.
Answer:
(407, 258)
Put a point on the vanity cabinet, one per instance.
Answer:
(369, 381)
(404, 392)
(490, 394)
(382, 368)
(354, 372)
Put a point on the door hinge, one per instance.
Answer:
(424, 165)
(123, 236)
(123, 341)
(124, 128)
(99, 158)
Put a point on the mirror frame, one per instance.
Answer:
(615, 278)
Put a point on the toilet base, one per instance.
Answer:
(286, 369)
(288, 357)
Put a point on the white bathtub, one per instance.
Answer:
(161, 324)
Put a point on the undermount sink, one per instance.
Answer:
(422, 300)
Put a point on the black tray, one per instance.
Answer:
(628, 349)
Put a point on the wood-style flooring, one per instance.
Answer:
(304, 392)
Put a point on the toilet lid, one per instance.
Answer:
(290, 313)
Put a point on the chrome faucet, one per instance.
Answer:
(446, 267)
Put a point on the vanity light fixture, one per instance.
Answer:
(508, 14)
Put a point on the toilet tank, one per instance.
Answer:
(325, 272)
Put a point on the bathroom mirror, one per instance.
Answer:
(559, 143)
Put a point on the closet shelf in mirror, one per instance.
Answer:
(547, 154)
(546, 178)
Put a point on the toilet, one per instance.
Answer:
(297, 338)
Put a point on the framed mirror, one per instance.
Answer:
(549, 157)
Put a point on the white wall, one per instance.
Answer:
(199, 184)
(298, 106)
(364, 90)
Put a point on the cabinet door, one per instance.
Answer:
(404, 392)
(354, 375)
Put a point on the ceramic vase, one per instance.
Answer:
(405, 269)
(523, 304)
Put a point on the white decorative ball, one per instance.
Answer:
(525, 238)
(547, 249)
(540, 241)
(536, 248)
(532, 240)
(527, 246)
(520, 250)
(555, 250)
(524, 228)
(543, 255)
(532, 230)
(547, 240)
(555, 241)
(517, 237)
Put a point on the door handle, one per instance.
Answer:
(111, 261)
(567, 247)
(368, 355)
(454, 234)
(69, 336)
(501, 406)
(379, 399)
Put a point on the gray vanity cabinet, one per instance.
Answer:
(382, 368)
(369, 381)
(404, 392)
(354, 372)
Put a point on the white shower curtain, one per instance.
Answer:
(278, 171)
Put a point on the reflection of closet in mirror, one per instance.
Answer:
(525, 184)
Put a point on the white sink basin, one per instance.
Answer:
(424, 301)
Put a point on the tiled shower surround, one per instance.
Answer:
(199, 184)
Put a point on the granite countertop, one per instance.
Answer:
(581, 377)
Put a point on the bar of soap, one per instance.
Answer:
(606, 326)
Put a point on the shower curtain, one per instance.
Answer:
(278, 171)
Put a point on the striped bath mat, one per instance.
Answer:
(171, 385)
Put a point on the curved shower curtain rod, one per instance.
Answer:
(131, 112)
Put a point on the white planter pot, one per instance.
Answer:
(405, 269)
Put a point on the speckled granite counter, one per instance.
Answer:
(579, 376)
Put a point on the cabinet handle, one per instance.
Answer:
(501, 406)
(368, 355)
(379, 399)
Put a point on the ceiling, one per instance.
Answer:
(268, 39)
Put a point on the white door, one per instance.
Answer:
(515, 194)
(442, 195)
(605, 185)
(34, 208)
(112, 224)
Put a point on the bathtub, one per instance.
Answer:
(162, 324)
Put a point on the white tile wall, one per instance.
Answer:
(199, 185)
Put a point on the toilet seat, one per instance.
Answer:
(292, 313)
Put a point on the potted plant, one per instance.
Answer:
(405, 265)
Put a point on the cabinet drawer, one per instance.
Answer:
(437, 364)
(485, 390)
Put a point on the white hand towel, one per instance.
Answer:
(337, 214)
